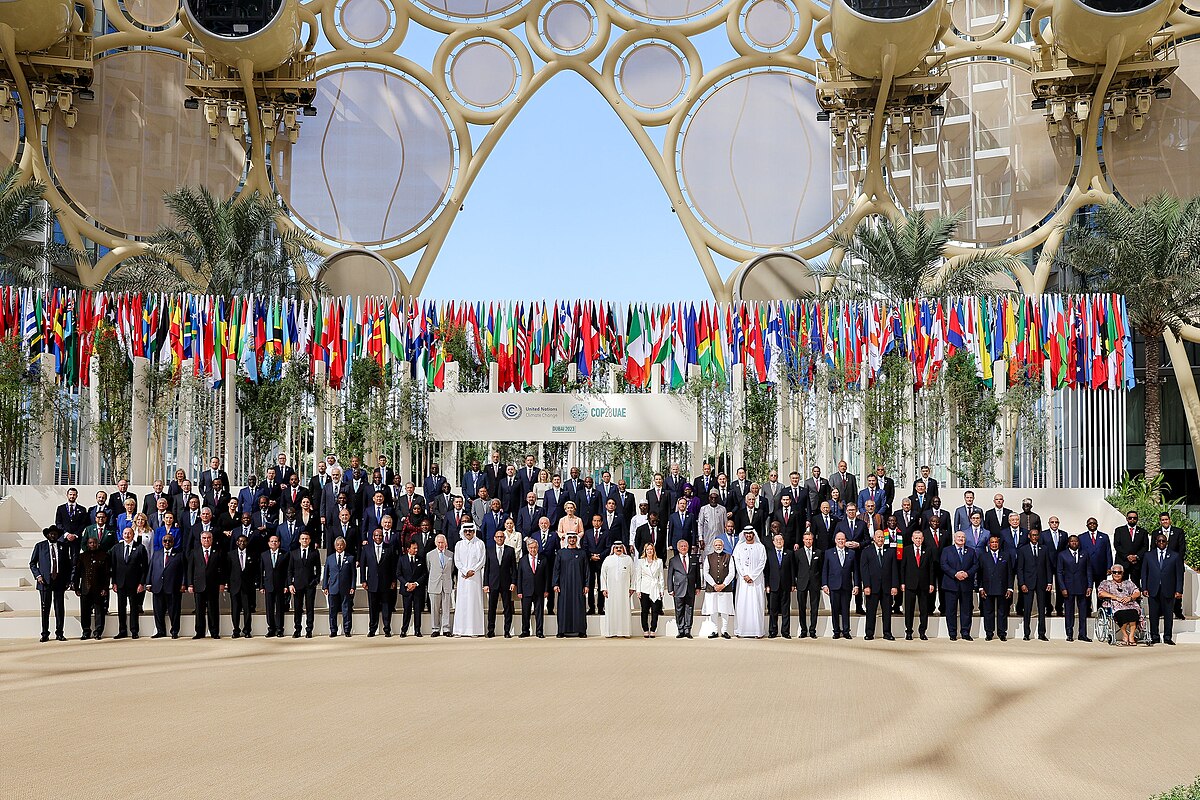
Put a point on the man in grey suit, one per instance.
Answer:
(770, 491)
(440, 562)
(683, 582)
(327, 502)
(480, 506)
(845, 482)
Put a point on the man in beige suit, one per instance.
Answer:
(441, 584)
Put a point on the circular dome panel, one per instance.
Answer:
(991, 157)
(652, 75)
(135, 142)
(366, 22)
(1164, 156)
(10, 140)
(977, 17)
(770, 25)
(568, 26)
(675, 11)
(359, 273)
(377, 162)
(484, 73)
(755, 164)
(471, 9)
(152, 13)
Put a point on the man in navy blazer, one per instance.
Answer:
(1162, 579)
(378, 577)
(995, 587)
(273, 583)
(493, 520)
(1096, 546)
(166, 579)
(1075, 585)
(596, 542)
(1035, 565)
(839, 580)
(52, 570)
(412, 574)
(960, 564)
(527, 475)
(432, 485)
(499, 583)
(71, 518)
(682, 525)
(338, 586)
(532, 576)
(879, 574)
(528, 515)
(552, 501)
(472, 480)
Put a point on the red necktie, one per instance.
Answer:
(535, 565)
(918, 553)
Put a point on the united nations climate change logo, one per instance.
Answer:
(511, 411)
(579, 412)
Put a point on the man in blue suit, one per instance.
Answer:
(248, 497)
(472, 479)
(839, 580)
(1162, 579)
(167, 576)
(960, 564)
(52, 569)
(433, 481)
(995, 588)
(607, 490)
(528, 515)
(527, 476)
(494, 519)
(1096, 546)
(681, 525)
(597, 542)
(553, 500)
(338, 585)
(1075, 585)
(962, 514)
(378, 579)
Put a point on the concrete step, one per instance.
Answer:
(20, 539)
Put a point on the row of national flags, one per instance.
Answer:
(1080, 341)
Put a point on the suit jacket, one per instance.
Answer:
(471, 482)
(701, 485)
(822, 535)
(127, 575)
(492, 473)
(287, 501)
(334, 529)
(206, 577)
(404, 504)
(995, 572)
(179, 503)
(1073, 573)
(996, 522)
(274, 577)
(743, 517)
(792, 529)
(243, 581)
(283, 475)
(817, 491)
(916, 577)
(150, 502)
(1176, 540)
(962, 517)
(304, 568)
(847, 485)
(839, 575)
(683, 583)
(945, 521)
(953, 563)
(644, 537)
(40, 564)
(527, 520)
(658, 501)
(931, 486)
(248, 498)
(592, 545)
(206, 479)
(72, 523)
(530, 582)
(876, 494)
(683, 527)
(412, 570)
(379, 574)
(373, 519)
(552, 502)
(218, 502)
(339, 580)
(433, 485)
(510, 494)
(587, 503)
(499, 573)
(779, 574)
(1036, 572)
(441, 577)
(1099, 555)
(768, 494)
(116, 503)
(1165, 580)
(526, 480)
(920, 504)
(880, 575)
(167, 573)
(492, 523)
(855, 531)
(808, 573)
(316, 489)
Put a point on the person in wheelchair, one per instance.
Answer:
(1119, 595)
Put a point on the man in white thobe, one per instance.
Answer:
(616, 582)
(720, 574)
(749, 559)
(469, 557)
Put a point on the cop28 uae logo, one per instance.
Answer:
(579, 412)
(511, 411)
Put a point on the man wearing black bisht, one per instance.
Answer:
(570, 584)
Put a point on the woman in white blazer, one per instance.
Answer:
(651, 587)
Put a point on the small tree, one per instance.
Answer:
(25, 253)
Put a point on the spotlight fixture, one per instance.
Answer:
(822, 116)
(191, 103)
(310, 111)
(86, 95)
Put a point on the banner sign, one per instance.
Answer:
(455, 416)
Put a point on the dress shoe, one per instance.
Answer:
(433, 635)
(85, 637)
(489, 635)
(1179, 616)
(134, 636)
(870, 637)
(847, 636)
(1084, 639)
(772, 635)
(296, 635)
(1070, 638)
(887, 637)
(174, 635)
(198, 636)
(158, 636)
(216, 636)
(121, 635)
(347, 634)
(387, 634)
(560, 636)
(541, 636)
(1169, 641)
(726, 636)
(1004, 637)
(1026, 637)
(1043, 638)
(924, 638)
(786, 636)
(523, 636)
(908, 637)
(583, 636)
(508, 636)
(45, 637)
(308, 635)
(333, 634)
(953, 638)
(370, 634)
(967, 637)
(837, 635)
(812, 634)
(237, 634)
(713, 635)
(987, 638)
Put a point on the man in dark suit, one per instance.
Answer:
(683, 584)
(243, 573)
(931, 484)
(839, 580)
(553, 501)
(995, 589)
(917, 584)
(996, 518)
(610, 520)
(433, 481)
(658, 499)
(1035, 580)
(338, 586)
(823, 526)
(778, 577)
(808, 560)
(790, 523)
(959, 566)
(1162, 580)
(879, 576)
(674, 482)
(378, 577)
(548, 544)
(705, 481)
(751, 514)
(529, 514)
(938, 539)
(508, 492)
(374, 512)
(493, 473)
(211, 475)
(1075, 585)
(273, 581)
(292, 493)
(72, 519)
(888, 486)
(493, 520)
(317, 483)
(52, 570)
(340, 527)
(205, 582)
(406, 500)
(1176, 543)
(935, 510)
(682, 526)
(817, 490)
(167, 576)
(532, 572)
(626, 507)
(652, 533)
(411, 576)
(304, 569)
(845, 482)
(1055, 541)
(920, 499)
(129, 567)
(248, 497)
(855, 531)
(91, 581)
(150, 501)
(1131, 541)
(472, 479)
(116, 500)
(452, 524)
(499, 583)
(596, 545)
(216, 497)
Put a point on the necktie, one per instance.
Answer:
(879, 551)
(1161, 555)
(274, 558)
(995, 558)
(826, 523)
(961, 552)
(128, 550)
(442, 560)
(242, 557)
(1077, 557)
(378, 554)
(206, 556)
(339, 561)
(534, 564)
(917, 553)
(166, 556)
(778, 555)
(842, 557)
(53, 562)
(786, 515)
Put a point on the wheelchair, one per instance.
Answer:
(1108, 632)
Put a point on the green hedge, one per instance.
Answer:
(1149, 499)
(1189, 791)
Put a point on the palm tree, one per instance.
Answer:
(906, 259)
(24, 251)
(220, 247)
(1151, 254)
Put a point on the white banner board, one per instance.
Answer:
(455, 416)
